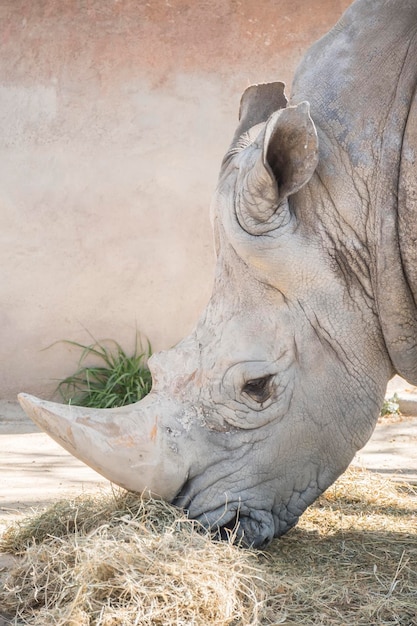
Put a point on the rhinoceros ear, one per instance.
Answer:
(257, 104)
(291, 148)
(286, 162)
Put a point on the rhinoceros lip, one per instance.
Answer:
(222, 517)
(221, 521)
(237, 523)
(255, 530)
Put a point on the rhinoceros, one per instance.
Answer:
(313, 309)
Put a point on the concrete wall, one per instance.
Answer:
(114, 116)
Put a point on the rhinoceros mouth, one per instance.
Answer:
(233, 522)
(224, 517)
(255, 530)
(234, 519)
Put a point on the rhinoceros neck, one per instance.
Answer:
(361, 80)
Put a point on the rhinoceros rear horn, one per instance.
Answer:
(286, 162)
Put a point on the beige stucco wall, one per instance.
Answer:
(114, 116)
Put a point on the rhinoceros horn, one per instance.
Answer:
(286, 159)
(123, 444)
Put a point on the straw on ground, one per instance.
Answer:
(117, 559)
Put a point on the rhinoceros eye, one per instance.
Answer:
(259, 389)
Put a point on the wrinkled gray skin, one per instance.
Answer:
(314, 302)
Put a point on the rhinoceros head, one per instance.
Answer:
(264, 405)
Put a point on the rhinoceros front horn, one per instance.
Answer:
(124, 444)
(288, 156)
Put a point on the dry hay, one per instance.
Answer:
(117, 560)
(134, 562)
(352, 559)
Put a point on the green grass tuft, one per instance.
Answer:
(112, 379)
